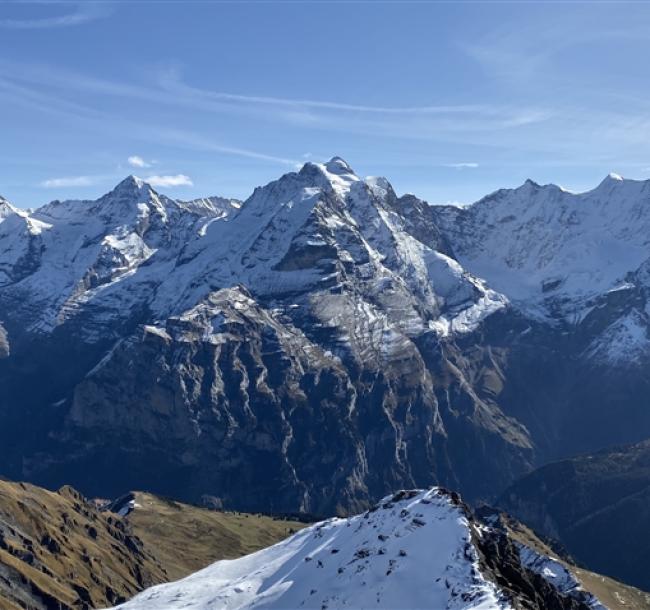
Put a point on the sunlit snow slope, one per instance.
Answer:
(410, 552)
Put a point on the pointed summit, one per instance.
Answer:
(611, 179)
(126, 199)
(6, 209)
(530, 187)
(131, 184)
(336, 175)
(131, 190)
(338, 166)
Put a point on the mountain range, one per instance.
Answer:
(322, 343)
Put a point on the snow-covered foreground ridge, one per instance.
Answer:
(414, 550)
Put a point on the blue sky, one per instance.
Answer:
(449, 100)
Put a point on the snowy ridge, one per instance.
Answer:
(552, 251)
(6, 209)
(214, 207)
(414, 550)
(68, 254)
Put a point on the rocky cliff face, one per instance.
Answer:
(321, 343)
(290, 426)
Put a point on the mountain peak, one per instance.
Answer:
(530, 186)
(338, 166)
(379, 559)
(133, 190)
(126, 199)
(335, 174)
(6, 209)
(611, 181)
(132, 184)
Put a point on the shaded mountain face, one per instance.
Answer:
(597, 505)
(321, 343)
(415, 549)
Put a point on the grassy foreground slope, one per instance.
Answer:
(186, 538)
(58, 551)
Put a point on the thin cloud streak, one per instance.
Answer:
(195, 141)
(461, 165)
(83, 13)
(170, 82)
(475, 131)
(69, 181)
(153, 133)
(39, 85)
(412, 121)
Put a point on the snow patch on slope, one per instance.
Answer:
(557, 575)
(624, 341)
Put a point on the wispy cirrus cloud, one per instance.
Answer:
(192, 140)
(69, 181)
(82, 12)
(168, 89)
(71, 94)
(421, 121)
(169, 181)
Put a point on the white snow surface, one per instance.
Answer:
(414, 554)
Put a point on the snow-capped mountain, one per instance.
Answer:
(323, 342)
(415, 550)
(68, 253)
(554, 253)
